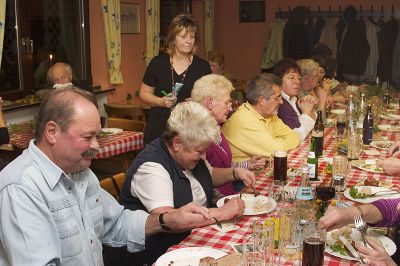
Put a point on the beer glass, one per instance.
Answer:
(314, 244)
(340, 126)
(354, 146)
(252, 254)
(280, 165)
(340, 171)
(289, 245)
(264, 238)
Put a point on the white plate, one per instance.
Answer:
(251, 202)
(378, 144)
(368, 166)
(188, 256)
(373, 190)
(390, 116)
(111, 131)
(387, 243)
(387, 127)
(338, 111)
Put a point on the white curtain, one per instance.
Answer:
(209, 25)
(2, 25)
(152, 29)
(112, 33)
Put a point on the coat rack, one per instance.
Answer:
(339, 13)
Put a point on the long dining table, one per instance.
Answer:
(209, 237)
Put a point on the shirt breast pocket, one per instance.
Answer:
(67, 226)
(96, 209)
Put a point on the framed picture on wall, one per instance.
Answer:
(130, 18)
(252, 11)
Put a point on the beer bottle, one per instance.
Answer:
(317, 136)
(312, 163)
(368, 126)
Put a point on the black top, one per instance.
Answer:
(157, 152)
(159, 75)
(4, 137)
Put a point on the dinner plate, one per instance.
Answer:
(390, 128)
(253, 205)
(108, 131)
(373, 190)
(338, 111)
(387, 243)
(381, 144)
(188, 256)
(368, 166)
(390, 116)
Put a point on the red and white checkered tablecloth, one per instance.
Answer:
(119, 143)
(209, 237)
(111, 145)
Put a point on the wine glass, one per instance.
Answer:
(324, 193)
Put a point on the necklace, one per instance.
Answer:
(183, 74)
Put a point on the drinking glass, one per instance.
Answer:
(340, 126)
(276, 190)
(324, 193)
(314, 244)
(340, 171)
(354, 146)
(264, 238)
(252, 254)
(280, 165)
(289, 245)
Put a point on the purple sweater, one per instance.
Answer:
(288, 115)
(221, 156)
(387, 207)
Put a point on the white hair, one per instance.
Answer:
(211, 85)
(193, 124)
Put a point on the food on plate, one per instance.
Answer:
(356, 194)
(336, 245)
(105, 133)
(370, 181)
(260, 206)
(229, 260)
(383, 144)
(372, 167)
(208, 261)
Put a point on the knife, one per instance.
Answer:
(351, 249)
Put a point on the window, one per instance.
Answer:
(48, 31)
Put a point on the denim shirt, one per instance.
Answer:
(49, 218)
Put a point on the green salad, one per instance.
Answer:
(355, 194)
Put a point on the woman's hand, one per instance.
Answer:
(390, 165)
(376, 255)
(233, 208)
(168, 101)
(256, 163)
(394, 150)
(247, 176)
(306, 105)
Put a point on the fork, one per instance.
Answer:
(361, 226)
(218, 223)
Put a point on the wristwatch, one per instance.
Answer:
(162, 224)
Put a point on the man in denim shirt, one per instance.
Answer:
(52, 208)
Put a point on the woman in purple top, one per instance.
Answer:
(384, 212)
(213, 92)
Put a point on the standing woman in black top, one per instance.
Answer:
(178, 65)
(4, 137)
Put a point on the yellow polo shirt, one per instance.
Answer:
(250, 134)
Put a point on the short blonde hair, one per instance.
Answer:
(193, 124)
(211, 85)
(308, 67)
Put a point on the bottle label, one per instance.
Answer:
(312, 170)
(304, 193)
(338, 177)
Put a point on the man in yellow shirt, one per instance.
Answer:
(255, 127)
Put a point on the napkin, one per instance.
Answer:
(226, 227)
(372, 152)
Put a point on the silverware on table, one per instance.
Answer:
(361, 226)
(351, 249)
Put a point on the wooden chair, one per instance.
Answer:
(126, 124)
(127, 111)
(113, 184)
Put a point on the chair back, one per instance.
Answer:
(113, 184)
(127, 111)
(126, 124)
